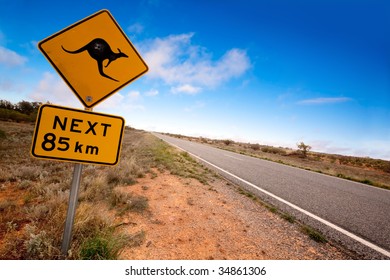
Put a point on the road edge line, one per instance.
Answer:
(329, 224)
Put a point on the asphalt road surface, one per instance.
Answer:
(354, 214)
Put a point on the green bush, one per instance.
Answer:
(273, 150)
(313, 234)
(303, 149)
(102, 247)
(7, 114)
(24, 111)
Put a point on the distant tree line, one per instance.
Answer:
(23, 111)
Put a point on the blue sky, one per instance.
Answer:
(272, 72)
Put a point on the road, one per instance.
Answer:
(353, 214)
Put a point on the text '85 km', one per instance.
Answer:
(50, 141)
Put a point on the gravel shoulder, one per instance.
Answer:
(193, 221)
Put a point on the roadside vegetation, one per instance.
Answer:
(23, 111)
(374, 172)
(309, 231)
(34, 196)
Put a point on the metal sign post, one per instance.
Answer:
(73, 197)
(72, 205)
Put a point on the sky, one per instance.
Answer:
(271, 72)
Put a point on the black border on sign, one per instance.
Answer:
(38, 121)
(65, 79)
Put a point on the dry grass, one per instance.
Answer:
(34, 196)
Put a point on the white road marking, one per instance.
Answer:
(329, 224)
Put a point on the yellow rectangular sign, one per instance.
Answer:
(94, 57)
(75, 135)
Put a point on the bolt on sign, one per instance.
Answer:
(76, 135)
(94, 57)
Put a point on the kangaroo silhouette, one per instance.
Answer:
(99, 50)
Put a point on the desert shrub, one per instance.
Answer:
(39, 244)
(289, 218)
(95, 248)
(95, 188)
(313, 234)
(255, 147)
(163, 156)
(349, 160)
(25, 184)
(6, 114)
(28, 172)
(377, 164)
(23, 111)
(385, 166)
(113, 178)
(5, 175)
(117, 178)
(137, 204)
(128, 202)
(103, 246)
(303, 149)
(126, 172)
(7, 205)
(366, 181)
(273, 150)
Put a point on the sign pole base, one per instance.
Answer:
(73, 197)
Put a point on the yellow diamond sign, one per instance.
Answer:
(94, 57)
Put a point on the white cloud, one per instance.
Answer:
(178, 62)
(134, 95)
(112, 102)
(188, 89)
(51, 88)
(375, 149)
(327, 146)
(11, 58)
(133, 107)
(324, 100)
(119, 103)
(152, 92)
(136, 28)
